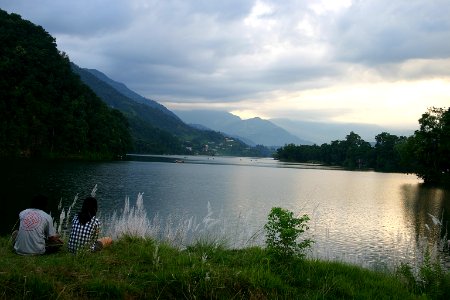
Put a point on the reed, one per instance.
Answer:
(179, 232)
(427, 272)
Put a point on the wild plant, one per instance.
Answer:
(64, 217)
(62, 226)
(283, 231)
(426, 274)
(132, 222)
(178, 231)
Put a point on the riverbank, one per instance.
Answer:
(144, 269)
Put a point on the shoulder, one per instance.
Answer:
(75, 220)
(25, 211)
(44, 214)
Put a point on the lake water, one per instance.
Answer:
(367, 218)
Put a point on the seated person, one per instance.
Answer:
(36, 234)
(86, 228)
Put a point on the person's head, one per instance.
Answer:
(39, 202)
(88, 210)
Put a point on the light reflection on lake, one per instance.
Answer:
(366, 218)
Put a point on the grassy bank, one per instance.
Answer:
(141, 268)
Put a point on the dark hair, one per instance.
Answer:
(88, 210)
(39, 202)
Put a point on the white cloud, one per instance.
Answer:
(330, 60)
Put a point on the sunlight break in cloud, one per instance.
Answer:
(372, 61)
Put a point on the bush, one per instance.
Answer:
(283, 231)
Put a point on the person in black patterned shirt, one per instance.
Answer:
(86, 228)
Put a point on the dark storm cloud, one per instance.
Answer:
(196, 49)
(78, 18)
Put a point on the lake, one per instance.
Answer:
(363, 217)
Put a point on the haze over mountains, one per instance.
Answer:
(254, 131)
(323, 132)
(278, 132)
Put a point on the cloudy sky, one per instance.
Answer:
(368, 61)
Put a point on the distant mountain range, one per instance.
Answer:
(149, 120)
(155, 129)
(255, 131)
(323, 132)
(278, 132)
(117, 96)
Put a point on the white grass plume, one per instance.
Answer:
(94, 191)
(177, 231)
(132, 222)
(64, 217)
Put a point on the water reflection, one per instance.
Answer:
(427, 208)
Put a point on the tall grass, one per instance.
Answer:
(63, 225)
(427, 273)
(179, 232)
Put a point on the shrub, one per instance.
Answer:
(283, 231)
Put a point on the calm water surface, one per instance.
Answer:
(367, 218)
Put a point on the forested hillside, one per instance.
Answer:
(124, 90)
(151, 130)
(45, 109)
(155, 129)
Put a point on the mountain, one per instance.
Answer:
(124, 90)
(45, 109)
(156, 116)
(323, 132)
(255, 131)
(157, 130)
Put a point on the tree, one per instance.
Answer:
(357, 152)
(387, 155)
(431, 146)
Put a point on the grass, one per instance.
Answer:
(138, 268)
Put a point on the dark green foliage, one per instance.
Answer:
(387, 154)
(283, 231)
(430, 146)
(426, 153)
(45, 110)
(351, 153)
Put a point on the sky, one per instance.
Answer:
(377, 62)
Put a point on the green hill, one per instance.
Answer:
(45, 110)
(154, 128)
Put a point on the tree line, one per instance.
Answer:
(426, 153)
(45, 109)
